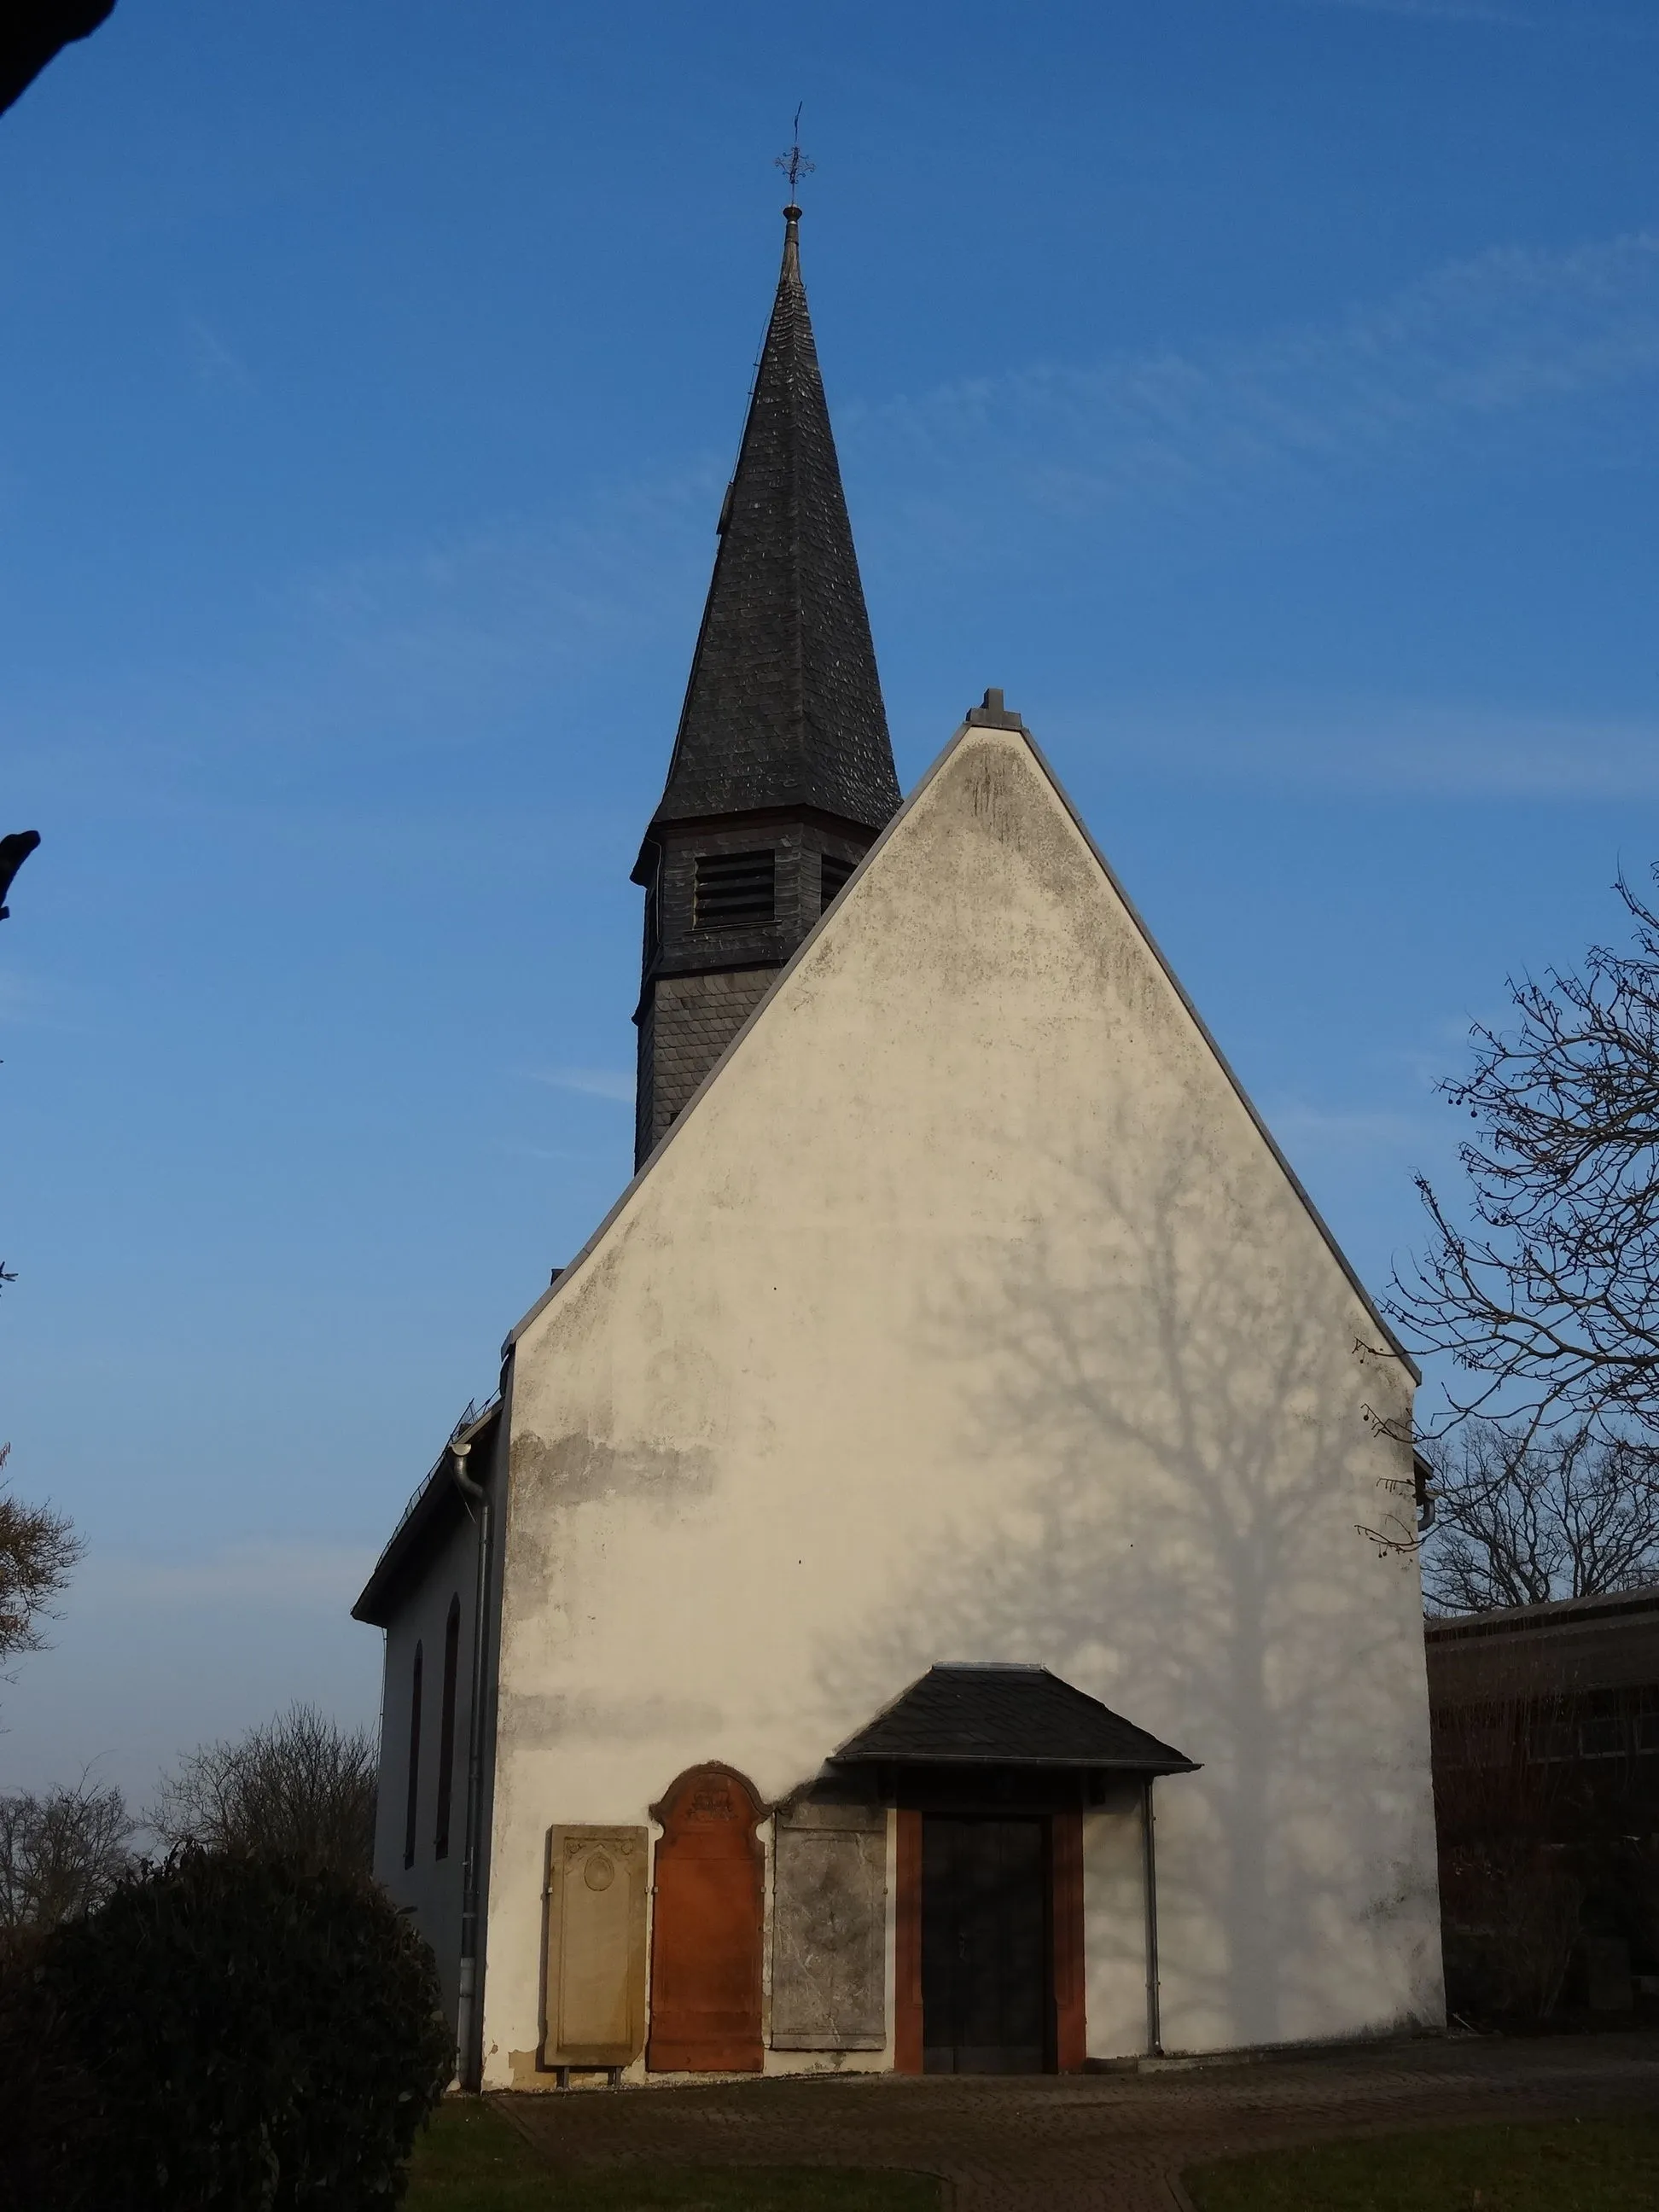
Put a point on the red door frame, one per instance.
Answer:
(1066, 1918)
(1071, 2035)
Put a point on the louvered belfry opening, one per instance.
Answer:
(833, 872)
(782, 771)
(735, 888)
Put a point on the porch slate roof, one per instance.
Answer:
(1000, 1715)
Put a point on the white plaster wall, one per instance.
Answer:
(967, 1315)
(1114, 1924)
(431, 1888)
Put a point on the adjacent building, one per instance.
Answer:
(1568, 1690)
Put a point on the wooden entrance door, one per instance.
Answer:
(986, 1995)
(706, 1928)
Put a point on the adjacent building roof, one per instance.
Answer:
(1565, 1647)
(784, 705)
(434, 1507)
(1006, 1715)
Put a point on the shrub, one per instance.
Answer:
(301, 1789)
(48, 2095)
(60, 1855)
(1508, 1923)
(226, 2032)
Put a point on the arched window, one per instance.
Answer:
(446, 1726)
(413, 1805)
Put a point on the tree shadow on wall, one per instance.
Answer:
(1167, 1459)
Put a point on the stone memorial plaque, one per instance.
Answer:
(595, 1977)
(829, 1929)
(706, 1930)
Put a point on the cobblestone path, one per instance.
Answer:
(1112, 2142)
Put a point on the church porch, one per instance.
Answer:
(921, 1906)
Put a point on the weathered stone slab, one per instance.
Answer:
(829, 1929)
(595, 1977)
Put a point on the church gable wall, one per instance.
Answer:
(967, 1315)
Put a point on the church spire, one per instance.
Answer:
(782, 770)
(784, 705)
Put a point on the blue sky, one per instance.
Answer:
(1263, 391)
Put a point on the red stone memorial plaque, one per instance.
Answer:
(706, 1929)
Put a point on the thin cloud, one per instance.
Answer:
(1347, 1129)
(437, 640)
(448, 634)
(557, 1152)
(215, 361)
(21, 996)
(591, 1082)
(262, 1575)
(1448, 751)
(518, 600)
(1052, 465)
(1473, 350)
(1447, 11)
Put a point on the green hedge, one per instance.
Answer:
(226, 2032)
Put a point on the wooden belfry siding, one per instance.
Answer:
(705, 1937)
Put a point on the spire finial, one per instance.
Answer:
(795, 165)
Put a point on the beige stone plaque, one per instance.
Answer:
(829, 1929)
(595, 1968)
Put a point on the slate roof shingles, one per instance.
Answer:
(784, 705)
(1008, 1715)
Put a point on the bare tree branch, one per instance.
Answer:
(39, 1548)
(1548, 1300)
(1524, 1516)
(60, 1854)
(302, 1787)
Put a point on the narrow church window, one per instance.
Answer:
(735, 888)
(447, 1727)
(413, 1804)
(832, 872)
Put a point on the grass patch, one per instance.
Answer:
(467, 2158)
(1569, 2166)
(470, 2160)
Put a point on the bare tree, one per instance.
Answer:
(39, 1548)
(1524, 1516)
(60, 1854)
(302, 1787)
(1551, 1297)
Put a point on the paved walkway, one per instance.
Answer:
(1112, 2142)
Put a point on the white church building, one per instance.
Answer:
(934, 1591)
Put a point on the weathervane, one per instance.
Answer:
(794, 164)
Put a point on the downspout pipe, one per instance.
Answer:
(1149, 1865)
(478, 1499)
